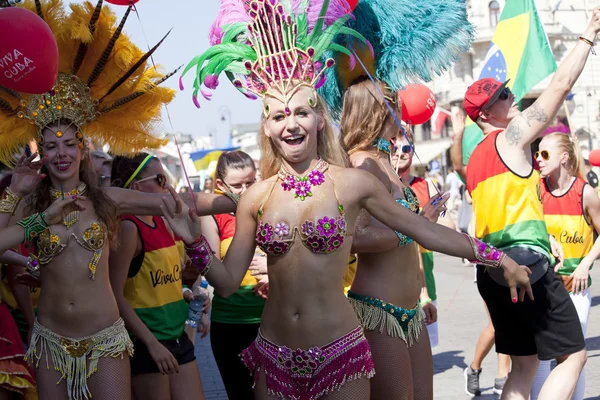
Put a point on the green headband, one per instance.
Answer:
(138, 170)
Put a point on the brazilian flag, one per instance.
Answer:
(520, 52)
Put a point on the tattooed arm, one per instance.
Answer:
(526, 127)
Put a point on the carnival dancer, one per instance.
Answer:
(79, 345)
(16, 375)
(235, 320)
(508, 213)
(310, 344)
(402, 161)
(572, 213)
(146, 278)
(385, 296)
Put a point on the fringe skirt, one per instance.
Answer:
(312, 373)
(15, 374)
(77, 359)
(375, 314)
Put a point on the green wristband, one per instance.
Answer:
(33, 226)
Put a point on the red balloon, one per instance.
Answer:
(28, 52)
(352, 4)
(123, 2)
(594, 158)
(418, 104)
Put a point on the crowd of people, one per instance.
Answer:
(322, 269)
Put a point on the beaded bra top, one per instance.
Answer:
(93, 239)
(410, 202)
(323, 236)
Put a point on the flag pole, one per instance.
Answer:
(568, 114)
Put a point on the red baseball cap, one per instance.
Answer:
(481, 95)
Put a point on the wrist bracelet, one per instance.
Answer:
(485, 254)
(33, 225)
(9, 202)
(201, 255)
(234, 197)
(588, 42)
(426, 301)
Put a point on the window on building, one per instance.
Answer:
(494, 7)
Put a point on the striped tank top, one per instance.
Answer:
(508, 207)
(566, 221)
(244, 306)
(421, 188)
(153, 287)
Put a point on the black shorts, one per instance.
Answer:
(142, 363)
(548, 326)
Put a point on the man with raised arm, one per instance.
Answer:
(508, 214)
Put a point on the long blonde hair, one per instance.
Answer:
(570, 145)
(364, 115)
(328, 148)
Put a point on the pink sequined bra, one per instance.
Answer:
(323, 236)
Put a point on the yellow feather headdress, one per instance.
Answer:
(105, 85)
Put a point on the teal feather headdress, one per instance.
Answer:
(412, 42)
(276, 49)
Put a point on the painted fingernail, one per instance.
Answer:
(514, 299)
(74, 197)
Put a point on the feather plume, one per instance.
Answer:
(410, 44)
(83, 46)
(106, 53)
(11, 92)
(38, 9)
(230, 12)
(130, 127)
(6, 107)
(139, 63)
(167, 76)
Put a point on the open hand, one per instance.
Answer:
(54, 214)
(458, 123)
(182, 220)
(514, 275)
(258, 266)
(580, 278)
(26, 279)
(164, 359)
(204, 327)
(26, 176)
(262, 287)
(595, 22)
(435, 206)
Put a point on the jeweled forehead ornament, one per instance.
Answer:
(272, 51)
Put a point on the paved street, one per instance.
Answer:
(461, 316)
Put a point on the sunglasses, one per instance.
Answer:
(504, 94)
(544, 153)
(160, 178)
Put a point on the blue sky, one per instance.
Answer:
(191, 21)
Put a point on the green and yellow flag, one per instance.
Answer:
(520, 52)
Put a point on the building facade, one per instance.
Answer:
(564, 21)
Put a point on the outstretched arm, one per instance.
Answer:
(525, 128)
(140, 203)
(227, 275)
(374, 198)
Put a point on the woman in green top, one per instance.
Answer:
(235, 320)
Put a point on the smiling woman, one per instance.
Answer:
(78, 332)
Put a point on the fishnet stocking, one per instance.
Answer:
(354, 390)
(46, 382)
(393, 372)
(421, 362)
(111, 381)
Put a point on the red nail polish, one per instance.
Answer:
(514, 299)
